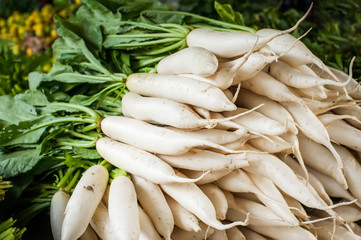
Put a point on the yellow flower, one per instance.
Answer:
(39, 30)
(53, 33)
(29, 52)
(15, 49)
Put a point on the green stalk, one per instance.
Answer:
(87, 110)
(149, 61)
(6, 234)
(64, 179)
(147, 35)
(6, 224)
(61, 120)
(206, 19)
(180, 44)
(77, 143)
(143, 44)
(73, 181)
(80, 135)
(89, 127)
(147, 26)
(183, 29)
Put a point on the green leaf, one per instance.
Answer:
(15, 111)
(33, 97)
(226, 12)
(87, 153)
(15, 163)
(17, 134)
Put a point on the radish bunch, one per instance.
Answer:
(237, 136)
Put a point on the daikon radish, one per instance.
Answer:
(84, 201)
(155, 205)
(183, 218)
(57, 212)
(123, 209)
(146, 136)
(147, 230)
(100, 222)
(264, 84)
(204, 160)
(196, 60)
(270, 108)
(311, 126)
(218, 199)
(180, 89)
(191, 197)
(321, 159)
(138, 162)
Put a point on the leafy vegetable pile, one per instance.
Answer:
(49, 132)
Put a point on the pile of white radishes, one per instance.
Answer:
(237, 136)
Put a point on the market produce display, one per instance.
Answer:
(159, 124)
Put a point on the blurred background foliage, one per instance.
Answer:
(27, 30)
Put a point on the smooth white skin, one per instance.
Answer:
(183, 218)
(265, 145)
(283, 177)
(235, 234)
(298, 54)
(100, 222)
(147, 230)
(325, 229)
(210, 177)
(343, 133)
(264, 84)
(161, 110)
(294, 78)
(194, 60)
(259, 215)
(351, 110)
(249, 234)
(268, 188)
(318, 93)
(123, 209)
(204, 160)
(204, 233)
(254, 64)
(350, 213)
(313, 181)
(222, 44)
(284, 233)
(232, 44)
(257, 122)
(180, 89)
(155, 205)
(270, 109)
(218, 199)
(311, 126)
(353, 88)
(300, 212)
(138, 162)
(218, 235)
(320, 107)
(218, 136)
(57, 209)
(191, 197)
(321, 159)
(240, 181)
(84, 201)
(333, 188)
(223, 78)
(89, 234)
(148, 137)
(352, 171)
